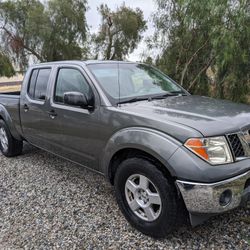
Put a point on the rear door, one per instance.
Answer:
(38, 127)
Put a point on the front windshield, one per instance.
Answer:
(136, 81)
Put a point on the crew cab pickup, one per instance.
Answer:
(167, 153)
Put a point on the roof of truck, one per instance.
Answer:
(82, 62)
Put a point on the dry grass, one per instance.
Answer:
(11, 88)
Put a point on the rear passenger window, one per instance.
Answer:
(38, 83)
(41, 84)
(32, 84)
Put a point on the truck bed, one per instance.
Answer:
(15, 93)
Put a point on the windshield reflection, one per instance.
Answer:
(125, 81)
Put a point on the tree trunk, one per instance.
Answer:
(108, 53)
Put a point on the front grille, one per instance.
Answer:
(236, 145)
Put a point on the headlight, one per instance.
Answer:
(215, 150)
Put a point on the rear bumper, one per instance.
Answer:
(214, 198)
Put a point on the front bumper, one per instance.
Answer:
(219, 197)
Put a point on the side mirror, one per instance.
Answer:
(76, 99)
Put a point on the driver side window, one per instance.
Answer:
(70, 80)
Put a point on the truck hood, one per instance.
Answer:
(209, 116)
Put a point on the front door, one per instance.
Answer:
(79, 127)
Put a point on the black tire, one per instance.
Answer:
(14, 147)
(168, 216)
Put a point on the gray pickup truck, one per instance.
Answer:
(169, 154)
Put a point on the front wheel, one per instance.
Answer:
(146, 197)
(9, 146)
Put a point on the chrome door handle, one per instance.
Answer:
(52, 114)
(26, 108)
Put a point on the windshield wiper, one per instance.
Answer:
(135, 99)
(149, 98)
(172, 93)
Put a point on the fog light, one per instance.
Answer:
(226, 197)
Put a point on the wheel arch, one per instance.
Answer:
(133, 142)
(4, 115)
(127, 153)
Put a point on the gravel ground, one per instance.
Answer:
(46, 202)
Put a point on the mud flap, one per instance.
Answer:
(197, 219)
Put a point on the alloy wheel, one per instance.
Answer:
(143, 197)
(4, 139)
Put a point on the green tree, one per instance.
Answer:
(21, 26)
(68, 27)
(119, 33)
(205, 45)
(6, 68)
(149, 60)
(46, 30)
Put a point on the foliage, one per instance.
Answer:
(6, 68)
(120, 32)
(68, 30)
(47, 30)
(20, 23)
(205, 45)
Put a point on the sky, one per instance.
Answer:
(147, 6)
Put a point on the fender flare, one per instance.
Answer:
(158, 144)
(6, 117)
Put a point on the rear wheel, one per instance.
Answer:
(146, 197)
(9, 146)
